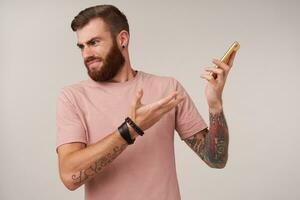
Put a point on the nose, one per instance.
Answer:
(86, 52)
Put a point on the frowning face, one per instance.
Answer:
(102, 56)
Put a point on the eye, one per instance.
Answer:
(94, 42)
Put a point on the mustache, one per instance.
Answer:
(92, 58)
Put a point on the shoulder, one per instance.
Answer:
(71, 90)
(159, 79)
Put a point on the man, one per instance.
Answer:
(134, 158)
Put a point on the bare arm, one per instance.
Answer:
(212, 145)
(78, 164)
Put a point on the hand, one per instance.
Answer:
(147, 115)
(214, 87)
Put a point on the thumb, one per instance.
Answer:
(136, 102)
(139, 97)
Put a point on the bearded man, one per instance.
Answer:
(115, 130)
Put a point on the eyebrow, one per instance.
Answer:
(89, 41)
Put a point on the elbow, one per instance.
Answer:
(70, 187)
(216, 165)
(219, 164)
(68, 177)
(68, 183)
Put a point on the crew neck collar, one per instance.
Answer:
(116, 84)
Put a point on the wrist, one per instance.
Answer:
(132, 132)
(216, 109)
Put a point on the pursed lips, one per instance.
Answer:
(93, 61)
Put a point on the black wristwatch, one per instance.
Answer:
(134, 126)
(124, 132)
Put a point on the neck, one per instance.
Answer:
(126, 73)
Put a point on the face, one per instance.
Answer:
(102, 56)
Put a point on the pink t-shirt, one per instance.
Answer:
(88, 111)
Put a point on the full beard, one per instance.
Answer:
(111, 65)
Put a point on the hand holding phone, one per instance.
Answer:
(225, 59)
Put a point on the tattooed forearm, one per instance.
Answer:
(212, 145)
(83, 175)
(217, 140)
(197, 143)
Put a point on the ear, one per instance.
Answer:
(123, 39)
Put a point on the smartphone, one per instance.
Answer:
(233, 48)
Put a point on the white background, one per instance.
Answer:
(38, 56)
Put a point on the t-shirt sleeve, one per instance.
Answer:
(188, 120)
(69, 127)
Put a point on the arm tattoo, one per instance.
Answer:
(97, 166)
(212, 146)
(197, 143)
(218, 139)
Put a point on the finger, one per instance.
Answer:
(136, 102)
(133, 107)
(207, 73)
(215, 76)
(139, 98)
(220, 73)
(165, 100)
(230, 63)
(214, 70)
(172, 104)
(209, 78)
(221, 64)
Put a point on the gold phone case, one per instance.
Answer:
(233, 48)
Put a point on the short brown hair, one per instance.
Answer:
(110, 14)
